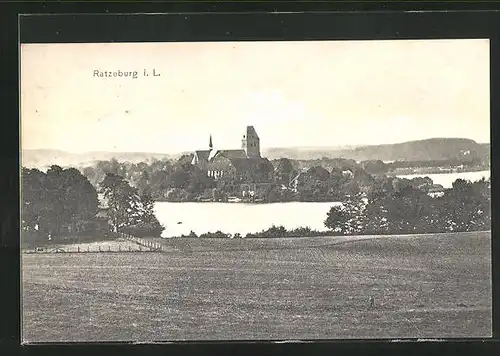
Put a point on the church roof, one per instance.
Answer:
(245, 164)
(203, 155)
(231, 154)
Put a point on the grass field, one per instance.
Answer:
(309, 288)
(94, 246)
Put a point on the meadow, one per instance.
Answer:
(93, 246)
(424, 286)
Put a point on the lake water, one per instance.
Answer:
(238, 218)
(248, 218)
(447, 179)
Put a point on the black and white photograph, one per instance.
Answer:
(255, 190)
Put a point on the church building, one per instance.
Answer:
(242, 164)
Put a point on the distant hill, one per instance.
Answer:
(422, 150)
(41, 158)
(484, 152)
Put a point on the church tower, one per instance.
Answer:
(251, 143)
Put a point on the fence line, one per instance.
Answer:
(153, 246)
(150, 246)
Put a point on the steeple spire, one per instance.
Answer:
(210, 145)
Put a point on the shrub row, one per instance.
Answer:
(272, 232)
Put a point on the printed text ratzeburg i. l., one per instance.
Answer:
(125, 74)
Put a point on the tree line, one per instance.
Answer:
(180, 181)
(63, 202)
(55, 199)
(320, 180)
(405, 209)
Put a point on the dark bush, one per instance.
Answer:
(280, 231)
(217, 234)
(144, 230)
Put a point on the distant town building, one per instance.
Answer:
(435, 190)
(242, 164)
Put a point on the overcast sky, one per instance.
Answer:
(326, 93)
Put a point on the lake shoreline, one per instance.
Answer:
(443, 178)
(435, 170)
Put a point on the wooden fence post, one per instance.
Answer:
(78, 248)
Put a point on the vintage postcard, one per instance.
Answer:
(255, 190)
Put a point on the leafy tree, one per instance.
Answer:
(80, 199)
(405, 210)
(466, 207)
(114, 167)
(318, 173)
(61, 196)
(143, 182)
(337, 218)
(375, 167)
(482, 207)
(272, 193)
(34, 194)
(219, 194)
(226, 186)
(129, 211)
(122, 200)
(315, 185)
(93, 174)
(179, 179)
(349, 218)
(185, 159)
(283, 171)
(158, 183)
(177, 195)
(421, 182)
(265, 170)
(146, 223)
(199, 181)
